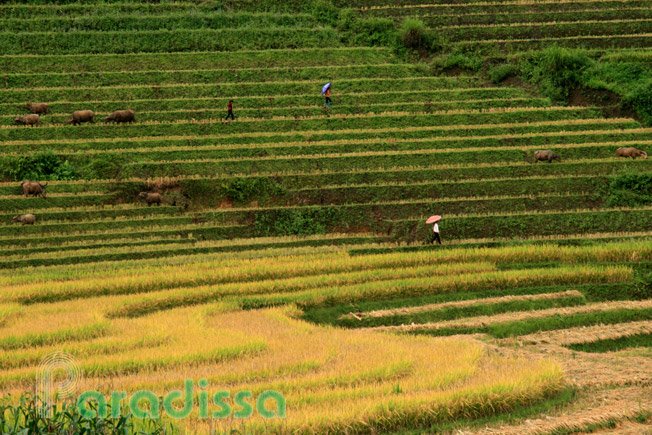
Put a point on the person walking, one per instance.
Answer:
(229, 109)
(435, 234)
(328, 101)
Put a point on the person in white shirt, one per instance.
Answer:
(435, 234)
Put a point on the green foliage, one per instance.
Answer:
(128, 41)
(356, 30)
(555, 70)
(107, 167)
(414, 33)
(642, 282)
(295, 221)
(531, 326)
(201, 19)
(499, 73)
(617, 75)
(44, 166)
(525, 327)
(640, 99)
(375, 32)
(614, 344)
(630, 190)
(25, 415)
(325, 12)
(247, 189)
(160, 62)
(465, 61)
(451, 313)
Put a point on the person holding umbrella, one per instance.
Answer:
(435, 229)
(326, 92)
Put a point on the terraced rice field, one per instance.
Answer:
(510, 27)
(289, 253)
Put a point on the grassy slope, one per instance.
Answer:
(372, 164)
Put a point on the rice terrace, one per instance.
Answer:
(325, 217)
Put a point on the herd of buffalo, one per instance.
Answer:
(78, 116)
(34, 188)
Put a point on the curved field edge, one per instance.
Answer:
(333, 387)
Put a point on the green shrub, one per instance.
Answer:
(464, 61)
(555, 70)
(356, 30)
(375, 32)
(205, 191)
(43, 166)
(499, 73)
(325, 13)
(414, 33)
(176, 40)
(247, 189)
(298, 221)
(630, 190)
(102, 168)
(640, 100)
(642, 285)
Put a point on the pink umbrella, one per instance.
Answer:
(433, 219)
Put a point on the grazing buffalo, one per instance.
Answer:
(40, 108)
(121, 116)
(25, 219)
(79, 116)
(630, 152)
(33, 188)
(151, 198)
(30, 120)
(545, 155)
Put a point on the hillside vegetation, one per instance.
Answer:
(289, 252)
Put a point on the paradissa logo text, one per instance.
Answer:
(143, 404)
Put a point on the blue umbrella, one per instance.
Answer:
(325, 88)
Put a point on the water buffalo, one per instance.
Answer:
(30, 120)
(545, 155)
(25, 219)
(33, 188)
(121, 116)
(630, 152)
(151, 198)
(40, 108)
(79, 116)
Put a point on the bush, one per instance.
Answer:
(499, 73)
(247, 189)
(44, 167)
(640, 100)
(458, 60)
(103, 168)
(413, 33)
(375, 32)
(325, 13)
(365, 31)
(555, 71)
(288, 222)
(300, 222)
(642, 282)
(630, 190)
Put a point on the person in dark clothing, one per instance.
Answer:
(328, 102)
(435, 234)
(229, 109)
